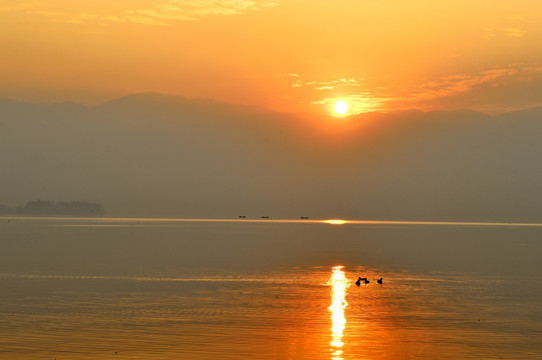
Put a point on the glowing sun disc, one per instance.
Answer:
(340, 107)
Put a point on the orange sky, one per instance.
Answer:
(287, 55)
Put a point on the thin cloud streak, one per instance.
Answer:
(464, 84)
(325, 85)
(164, 13)
(460, 83)
(516, 32)
(191, 10)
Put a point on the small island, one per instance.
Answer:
(54, 208)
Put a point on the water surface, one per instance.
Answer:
(148, 289)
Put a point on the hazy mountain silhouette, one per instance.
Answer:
(162, 155)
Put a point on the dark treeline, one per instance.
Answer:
(41, 207)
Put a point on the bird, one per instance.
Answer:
(359, 281)
(379, 281)
(365, 281)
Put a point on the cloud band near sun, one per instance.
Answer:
(476, 90)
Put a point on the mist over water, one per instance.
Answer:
(157, 155)
(158, 289)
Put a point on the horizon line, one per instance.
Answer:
(331, 221)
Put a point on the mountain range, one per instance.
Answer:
(167, 156)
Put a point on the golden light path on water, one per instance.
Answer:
(114, 222)
(339, 284)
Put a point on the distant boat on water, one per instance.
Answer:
(304, 217)
(242, 217)
(265, 217)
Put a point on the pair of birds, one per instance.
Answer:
(365, 281)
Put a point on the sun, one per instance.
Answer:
(340, 107)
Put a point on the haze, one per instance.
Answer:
(162, 155)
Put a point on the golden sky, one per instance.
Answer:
(287, 55)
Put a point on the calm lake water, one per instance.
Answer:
(173, 289)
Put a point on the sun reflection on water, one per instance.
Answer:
(335, 222)
(339, 284)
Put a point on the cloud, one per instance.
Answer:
(491, 33)
(51, 13)
(113, 18)
(493, 90)
(144, 20)
(19, 7)
(67, 18)
(164, 12)
(349, 89)
(357, 103)
(460, 83)
(190, 10)
(514, 32)
(325, 85)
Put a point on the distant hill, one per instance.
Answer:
(162, 155)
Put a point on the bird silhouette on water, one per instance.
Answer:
(365, 281)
